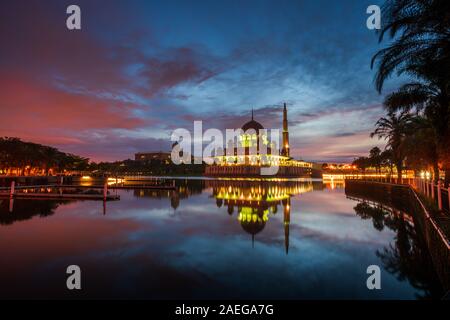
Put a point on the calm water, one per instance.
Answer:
(213, 239)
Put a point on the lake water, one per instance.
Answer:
(214, 239)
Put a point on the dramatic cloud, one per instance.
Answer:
(137, 71)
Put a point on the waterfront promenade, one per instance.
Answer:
(410, 196)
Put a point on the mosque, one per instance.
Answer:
(249, 163)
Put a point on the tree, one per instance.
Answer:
(421, 50)
(421, 147)
(386, 159)
(431, 99)
(421, 29)
(375, 158)
(27, 158)
(362, 163)
(395, 129)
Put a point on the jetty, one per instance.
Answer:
(52, 192)
(86, 189)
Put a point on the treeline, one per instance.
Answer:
(417, 122)
(147, 167)
(18, 157)
(377, 159)
(26, 158)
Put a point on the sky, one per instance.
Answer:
(137, 70)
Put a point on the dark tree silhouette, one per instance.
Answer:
(395, 128)
(421, 50)
(407, 256)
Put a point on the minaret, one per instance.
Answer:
(285, 148)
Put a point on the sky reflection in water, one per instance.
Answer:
(210, 239)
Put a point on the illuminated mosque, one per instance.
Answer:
(249, 163)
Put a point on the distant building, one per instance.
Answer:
(147, 156)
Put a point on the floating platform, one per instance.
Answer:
(53, 196)
(127, 186)
(75, 192)
(113, 187)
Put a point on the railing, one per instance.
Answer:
(435, 192)
(404, 197)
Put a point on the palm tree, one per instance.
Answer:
(375, 158)
(362, 163)
(421, 49)
(421, 29)
(386, 159)
(431, 98)
(395, 128)
(421, 147)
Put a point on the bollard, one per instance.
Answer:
(448, 193)
(439, 196)
(105, 190)
(11, 192)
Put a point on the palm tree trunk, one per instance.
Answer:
(399, 172)
(447, 177)
(445, 156)
(436, 172)
(442, 144)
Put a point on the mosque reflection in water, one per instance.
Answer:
(255, 202)
(252, 201)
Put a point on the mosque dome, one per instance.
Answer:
(252, 124)
(253, 227)
(253, 220)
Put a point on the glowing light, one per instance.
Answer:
(112, 181)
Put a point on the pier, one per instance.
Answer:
(48, 192)
(85, 191)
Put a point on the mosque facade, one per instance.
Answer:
(254, 151)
